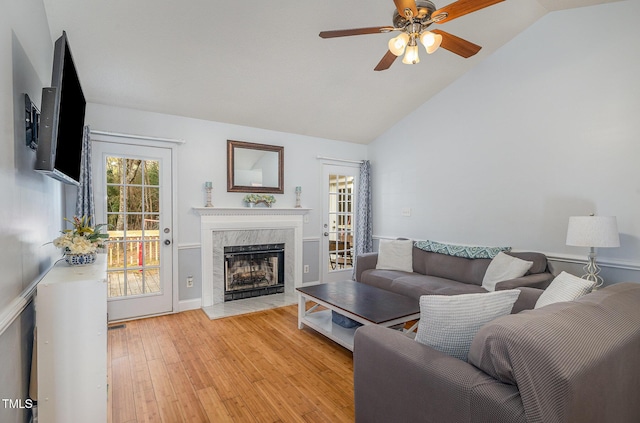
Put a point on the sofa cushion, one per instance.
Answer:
(568, 359)
(395, 254)
(539, 260)
(381, 278)
(454, 268)
(416, 286)
(464, 251)
(467, 270)
(504, 267)
(564, 287)
(449, 323)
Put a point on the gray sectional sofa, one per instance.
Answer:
(575, 361)
(442, 274)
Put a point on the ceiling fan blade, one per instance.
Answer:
(457, 45)
(355, 31)
(401, 5)
(462, 7)
(386, 61)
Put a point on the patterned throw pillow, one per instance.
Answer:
(448, 323)
(465, 251)
(564, 287)
(502, 268)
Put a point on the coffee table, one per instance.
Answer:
(358, 301)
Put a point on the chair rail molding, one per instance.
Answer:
(15, 308)
(602, 262)
(561, 257)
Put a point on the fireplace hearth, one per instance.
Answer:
(253, 270)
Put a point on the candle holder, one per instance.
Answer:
(208, 188)
(298, 192)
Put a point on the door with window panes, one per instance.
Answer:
(132, 187)
(338, 226)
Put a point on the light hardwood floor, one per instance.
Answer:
(256, 367)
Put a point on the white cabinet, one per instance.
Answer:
(71, 321)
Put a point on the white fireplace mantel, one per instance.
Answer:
(221, 221)
(250, 211)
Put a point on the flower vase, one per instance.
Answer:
(80, 259)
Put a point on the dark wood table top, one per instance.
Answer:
(373, 304)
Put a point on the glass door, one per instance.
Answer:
(133, 196)
(339, 222)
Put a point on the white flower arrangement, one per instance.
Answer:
(82, 239)
(259, 198)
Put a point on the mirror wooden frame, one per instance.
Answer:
(233, 187)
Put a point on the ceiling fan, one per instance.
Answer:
(412, 18)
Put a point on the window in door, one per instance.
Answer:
(340, 230)
(133, 207)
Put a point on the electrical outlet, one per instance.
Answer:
(306, 268)
(189, 281)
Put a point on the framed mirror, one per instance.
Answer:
(255, 167)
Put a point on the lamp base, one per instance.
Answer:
(592, 270)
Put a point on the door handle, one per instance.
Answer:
(167, 242)
(326, 234)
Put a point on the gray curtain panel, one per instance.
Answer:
(364, 220)
(84, 202)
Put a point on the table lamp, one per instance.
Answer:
(593, 232)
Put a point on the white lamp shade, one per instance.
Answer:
(397, 44)
(411, 55)
(430, 41)
(593, 231)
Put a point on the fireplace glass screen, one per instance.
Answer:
(253, 270)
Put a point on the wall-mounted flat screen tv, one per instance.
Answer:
(62, 119)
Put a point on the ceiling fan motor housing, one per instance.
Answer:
(425, 9)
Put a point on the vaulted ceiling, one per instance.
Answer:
(262, 64)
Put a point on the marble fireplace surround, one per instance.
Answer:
(220, 227)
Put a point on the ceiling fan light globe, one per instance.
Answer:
(437, 41)
(427, 38)
(411, 56)
(398, 44)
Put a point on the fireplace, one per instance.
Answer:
(253, 270)
(220, 227)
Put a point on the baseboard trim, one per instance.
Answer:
(189, 246)
(193, 304)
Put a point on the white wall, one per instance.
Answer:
(31, 210)
(545, 128)
(204, 158)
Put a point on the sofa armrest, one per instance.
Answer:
(399, 379)
(364, 262)
(527, 299)
(530, 286)
(535, 280)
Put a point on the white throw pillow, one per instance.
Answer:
(448, 323)
(395, 254)
(564, 287)
(502, 268)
